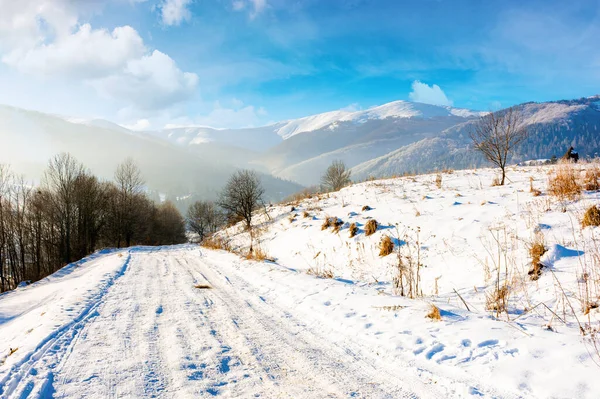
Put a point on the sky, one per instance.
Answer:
(150, 64)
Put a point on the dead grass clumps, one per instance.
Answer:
(216, 242)
(353, 230)
(438, 180)
(536, 250)
(533, 190)
(497, 300)
(386, 246)
(257, 254)
(590, 180)
(591, 217)
(366, 208)
(434, 313)
(321, 273)
(496, 182)
(306, 215)
(563, 184)
(371, 227)
(332, 221)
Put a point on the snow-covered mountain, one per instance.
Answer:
(29, 139)
(553, 127)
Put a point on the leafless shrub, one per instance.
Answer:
(407, 271)
(563, 183)
(216, 242)
(590, 180)
(371, 227)
(438, 180)
(336, 177)
(386, 246)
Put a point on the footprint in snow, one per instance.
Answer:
(489, 342)
(437, 348)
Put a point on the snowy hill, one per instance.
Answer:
(465, 237)
(322, 315)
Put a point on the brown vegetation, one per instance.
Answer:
(386, 246)
(591, 217)
(371, 227)
(434, 313)
(563, 184)
(353, 230)
(536, 250)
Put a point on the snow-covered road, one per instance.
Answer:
(145, 330)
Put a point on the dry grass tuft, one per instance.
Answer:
(371, 227)
(386, 246)
(203, 286)
(590, 181)
(332, 221)
(216, 242)
(536, 250)
(306, 215)
(438, 180)
(563, 184)
(366, 208)
(434, 313)
(533, 190)
(353, 230)
(591, 217)
(496, 181)
(497, 300)
(258, 254)
(321, 273)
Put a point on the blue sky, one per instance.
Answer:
(235, 63)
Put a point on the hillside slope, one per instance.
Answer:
(29, 139)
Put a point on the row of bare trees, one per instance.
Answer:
(71, 214)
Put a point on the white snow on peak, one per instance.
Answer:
(395, 109)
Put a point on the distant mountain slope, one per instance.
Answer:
(553, 127)
(29, 139)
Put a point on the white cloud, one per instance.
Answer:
(173, 12)
(151, 82)
(423, 93)
(44, 38)
(255, 7)
(86, 53)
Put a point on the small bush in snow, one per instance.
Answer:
(563, 184)
(438, 180)
(306, 214)
(353, 230)
(371, 227)
(366, 208)
(332, 221)
(434, 313)
(591, 217)
(536, 250)
(590, 180)
(386, 246)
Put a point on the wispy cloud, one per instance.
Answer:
(174, 12)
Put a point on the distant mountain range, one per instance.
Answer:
(194, 162)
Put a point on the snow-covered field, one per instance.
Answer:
(132, 323)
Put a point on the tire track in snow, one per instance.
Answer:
(25, 378)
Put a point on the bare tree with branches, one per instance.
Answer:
(497, 134)
(242, 195)
(204, 217)
(130, 183)
(336, 177)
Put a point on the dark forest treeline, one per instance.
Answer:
(72, 214)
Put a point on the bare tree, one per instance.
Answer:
(204, 218)
(242, 195)
(130, 184)
(497, 134)
(336, 177)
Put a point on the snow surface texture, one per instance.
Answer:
(132, 324)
